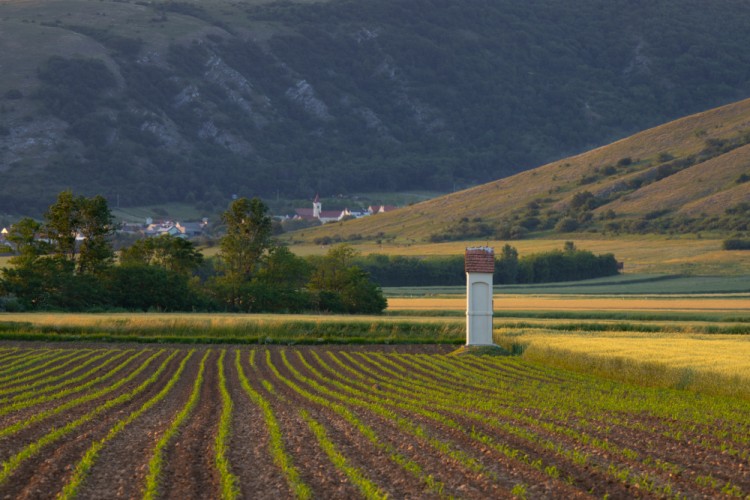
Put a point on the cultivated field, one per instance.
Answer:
(724, 304)
(343, 422)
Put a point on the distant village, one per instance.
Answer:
(190, 230)
(317, 212)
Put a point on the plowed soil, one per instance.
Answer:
(405, 421)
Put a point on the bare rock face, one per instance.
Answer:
(31, 142)
(304, 95)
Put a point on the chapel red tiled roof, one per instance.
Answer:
(479, 260)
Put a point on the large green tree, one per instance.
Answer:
(71, 217)
(53, 267)
(280, 284)
(247, 240)
(23, 239)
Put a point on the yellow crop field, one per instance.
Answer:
(711, 363)
(579, 303)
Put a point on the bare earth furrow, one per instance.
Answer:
(11, 412)
(360, 452)
(249, 451)
(189, 470)
(314, 468)
(449, 470)
(43, 479)
(121, 465)
(506, 472)
(29, 433)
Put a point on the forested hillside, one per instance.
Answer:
(148, 102)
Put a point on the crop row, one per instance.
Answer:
(344, 422)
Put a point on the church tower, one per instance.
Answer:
(316, 206)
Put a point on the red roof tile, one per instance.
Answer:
(479, 260)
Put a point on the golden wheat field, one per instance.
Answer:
(717, 364)
(725, 354)
(579, 303)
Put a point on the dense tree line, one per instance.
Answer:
(67, 263)
(568, 264)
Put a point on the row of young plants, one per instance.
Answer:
(461, 404)
(360, 393)
(142, 373)
(457, 401)
(57, 433)
(64, 385)
(53, 373)
(512, 427)
(613, 412)
(390, 449)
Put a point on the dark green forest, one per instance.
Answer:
(356, 95)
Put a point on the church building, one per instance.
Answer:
(317, 212)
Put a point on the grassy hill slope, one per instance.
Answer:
(680, 177)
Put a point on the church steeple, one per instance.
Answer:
(316, 206)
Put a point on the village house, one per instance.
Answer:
(177, 229)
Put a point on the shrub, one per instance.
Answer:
(624, 162)
(736, 244)
(567, 225)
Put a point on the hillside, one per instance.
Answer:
(181, 101)
(686, 176)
